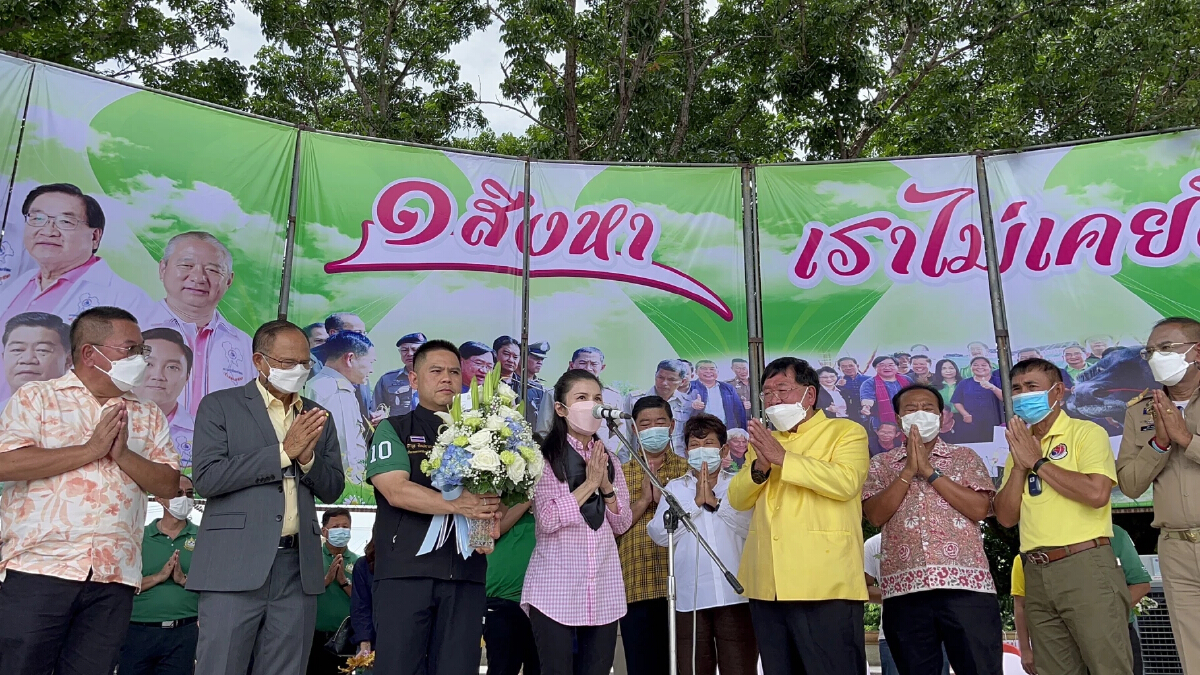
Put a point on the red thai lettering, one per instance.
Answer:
(597, 233)
(395, 217)
(905, 239)
(933, 263)
(806, 268)
(640, 246)
(1102, 243)
(853, 257)
(491, 223)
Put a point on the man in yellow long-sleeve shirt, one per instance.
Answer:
(802, 566)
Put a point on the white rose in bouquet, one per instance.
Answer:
(486, 459)
(494, 423)
(516, 470)
(479, 440)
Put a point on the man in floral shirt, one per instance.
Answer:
(78, 455)
(929, 496)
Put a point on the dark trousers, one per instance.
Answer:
(428, 626)
(321, 661)
(572, 650)
(810, 638)
(887, 665)
(645, 631)
(509, 639)
(51, 625)
(153, 650)
(724, 637)
(967, 623)
(1135, 640)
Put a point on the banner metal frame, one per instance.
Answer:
(12, 179)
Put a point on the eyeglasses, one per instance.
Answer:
(288, 364)
(1165, 347)
(777, 394)
(135, 350)
(481, 364)
(38, 221)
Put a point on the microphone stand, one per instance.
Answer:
(672, 518)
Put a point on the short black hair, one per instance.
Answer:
(1189, 325)
(740, 360)
(434, 346)
(650, 403)
(335, 322)
(344, 343)
(801, 371)
(308, 330)
(851, 359)
(904, 354)
(474, 348)
(39, 320)
(702, 424)
(93, 326)
(264, 337)
(826, 369)
(502, 341)
(171, 335)
(91, 207)
(922, 356)
(923, 387)
(1034, 365)
(330, 514)
(880, 359)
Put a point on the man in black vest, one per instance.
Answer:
(429, 606)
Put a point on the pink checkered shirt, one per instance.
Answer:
(574, 576)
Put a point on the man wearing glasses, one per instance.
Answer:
(78, 455)
(63, 228)
(262, 455)
(1160, 447)
(196, 271)
(802, 566)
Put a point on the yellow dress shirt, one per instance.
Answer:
(805, 538)
(282, 418)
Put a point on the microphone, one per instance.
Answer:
(607, 412)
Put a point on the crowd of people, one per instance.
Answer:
(262, 585)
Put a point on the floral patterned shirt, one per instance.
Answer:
(928, 544)
(86, 520)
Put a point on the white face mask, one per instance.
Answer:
(928, 424)
(180, 507)
(785, 416)
(289, 381)
(1169, 368)
(127, 373)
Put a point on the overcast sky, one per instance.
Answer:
(479, 58)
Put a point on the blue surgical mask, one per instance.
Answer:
(1032, 407)
(655, 439)
(338, 536)
(698, 457)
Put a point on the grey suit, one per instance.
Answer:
(254, 596)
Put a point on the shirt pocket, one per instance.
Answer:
(224, 521)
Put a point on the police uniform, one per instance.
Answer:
(395, 391)
(538, 390)
(431, 604)
(162, 629)
(1175, 475)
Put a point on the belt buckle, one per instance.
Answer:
(1038, 558)
(1192, 535)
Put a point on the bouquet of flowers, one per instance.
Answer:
(487, 449)
(359, 664)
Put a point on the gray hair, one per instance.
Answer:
(674, 365)
(205, 237)
(737, 433)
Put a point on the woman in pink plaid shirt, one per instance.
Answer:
(573, 588)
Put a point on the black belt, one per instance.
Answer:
(289, 541)
(166, 624)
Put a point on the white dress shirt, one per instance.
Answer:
(698, 581)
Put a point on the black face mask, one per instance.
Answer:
(592, 510)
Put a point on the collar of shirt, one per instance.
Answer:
(73, 275)
(940, 448)
(269, 399)
(189, 528)
(332, 374)
(818, 417)
(1060, 427)
(182, 419)
(218, 322)
(72, 381)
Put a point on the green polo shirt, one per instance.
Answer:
(333, 606)
(167, 601)
(507, 564)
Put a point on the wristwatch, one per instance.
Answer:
(344, 584)
(1038, 464)
(759, 477)
(933, 476)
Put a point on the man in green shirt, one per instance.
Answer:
(1136, 578)
(162, 630)
(507, 633)
(333, 606)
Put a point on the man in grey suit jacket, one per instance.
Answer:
(261, 454)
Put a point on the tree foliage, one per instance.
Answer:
(666, 80)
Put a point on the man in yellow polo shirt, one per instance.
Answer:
(802, 566)
(1058, 482)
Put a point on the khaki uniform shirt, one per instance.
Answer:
(1175, 473)
(281, 420)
